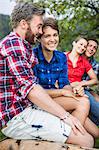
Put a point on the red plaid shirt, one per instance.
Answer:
(16, 76)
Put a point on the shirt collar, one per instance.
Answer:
(19, 37)
(79, 58)
(41, 56)
(40, 53)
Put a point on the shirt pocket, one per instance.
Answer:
(56, 74)
(42, 75)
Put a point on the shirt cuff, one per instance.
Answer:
(25, 88)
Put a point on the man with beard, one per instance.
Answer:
(26, 110)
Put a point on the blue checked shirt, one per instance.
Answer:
(95, 66)
(50, 73)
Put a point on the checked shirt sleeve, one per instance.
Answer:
(19, 65)
(96, 69)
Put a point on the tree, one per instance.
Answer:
(4, 25)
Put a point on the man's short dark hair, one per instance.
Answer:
(92, 39)
(24, 10)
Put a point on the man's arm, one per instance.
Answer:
(93, 80)
(91, 73)
(39, 96)
(66, 91)
(59, 92)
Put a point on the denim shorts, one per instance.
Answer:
(34, 123)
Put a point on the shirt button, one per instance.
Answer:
(42, 70)
(57, 69)
(49, 80)
(48, 71)
(49, 86)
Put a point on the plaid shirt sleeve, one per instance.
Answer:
(20, 68)
(87, 66)
(95, 66)
(96, 69)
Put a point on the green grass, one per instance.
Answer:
(97, 143)
(1, 136)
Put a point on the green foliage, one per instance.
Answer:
(4, 25)
(75, 18)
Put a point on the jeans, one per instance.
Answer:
(94, 108)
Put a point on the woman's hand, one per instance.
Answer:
(69, 93)
(79, 91)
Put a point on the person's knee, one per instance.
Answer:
(96, 133)
(84, 104)
(85, 140)
(89, 141)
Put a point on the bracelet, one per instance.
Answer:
(66, 116)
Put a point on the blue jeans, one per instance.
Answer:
(94, 108)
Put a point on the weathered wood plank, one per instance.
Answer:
(10, 144)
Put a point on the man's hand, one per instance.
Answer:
(75, 124)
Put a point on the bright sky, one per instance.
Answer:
(6, 6)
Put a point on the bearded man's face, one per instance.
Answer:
(34, 29)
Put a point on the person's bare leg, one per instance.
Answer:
(91, 128)
(85, 140)
(80, 109)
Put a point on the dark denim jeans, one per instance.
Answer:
(94, 108)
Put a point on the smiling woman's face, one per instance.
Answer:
(49, 39)
(80, 46)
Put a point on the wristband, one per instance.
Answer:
(66, 116)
